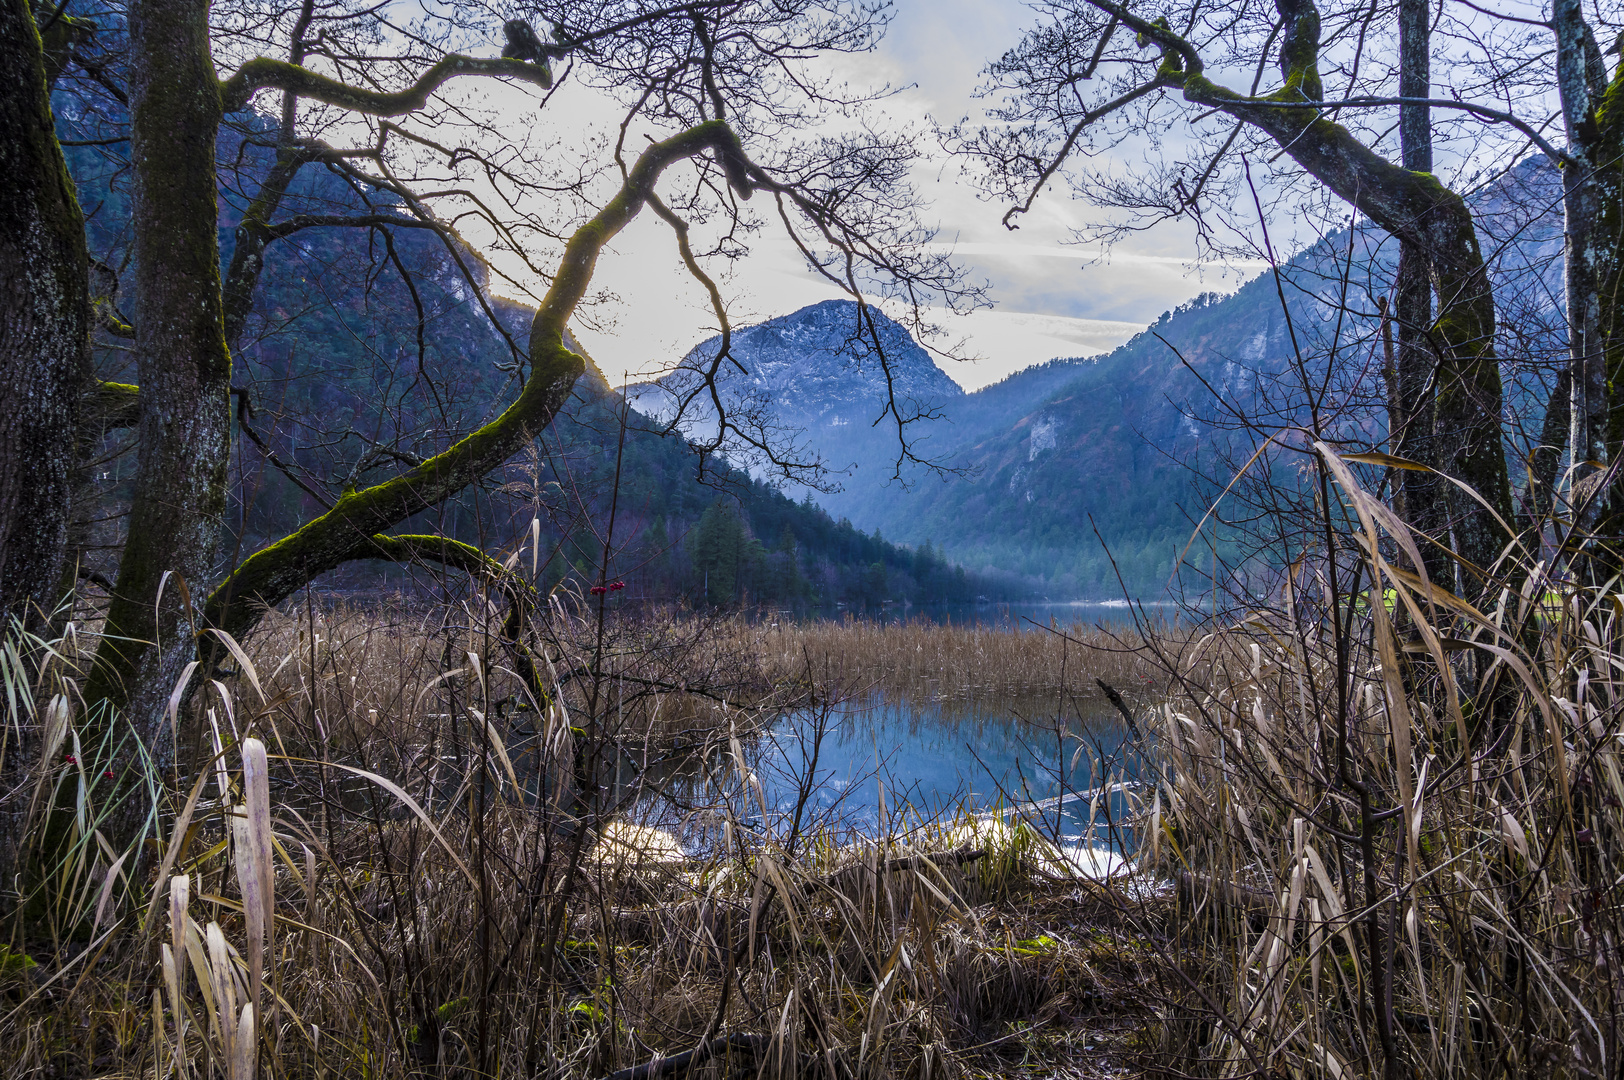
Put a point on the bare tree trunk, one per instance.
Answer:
(44, 358)
(1576, 76)
(183, 364)
(1413, 298)
(1415, 208)
(44, 362)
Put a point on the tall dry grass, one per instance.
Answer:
(925, 663)
(395, 855)
(1397, 818)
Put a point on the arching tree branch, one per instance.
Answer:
(348, 530)
(264, 73)
(1415, 208)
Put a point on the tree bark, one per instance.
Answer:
(1603, 367)
(44, 363)
(44, 343)
(183, 365)
(1413, 301)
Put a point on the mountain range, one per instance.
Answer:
(1078, 477)
(359, 354)
(1087, 476)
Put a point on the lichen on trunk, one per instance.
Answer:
(44, 344)
(184, 371)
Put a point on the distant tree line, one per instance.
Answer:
(729, 542)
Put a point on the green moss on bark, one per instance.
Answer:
(349, 529)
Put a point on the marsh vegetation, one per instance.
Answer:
(400, 859)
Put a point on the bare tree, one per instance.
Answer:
(44, 282)
(377, 105)
(1449, 366)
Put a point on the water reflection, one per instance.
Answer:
(929, 760)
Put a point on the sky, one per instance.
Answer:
(1050, 299)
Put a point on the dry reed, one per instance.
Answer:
(396, 855)
(925, 662)
(1397, 819)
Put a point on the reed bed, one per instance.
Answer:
(1397, 821)
(1381, 832)
(397, 854)
(926, 662)
(393, 667)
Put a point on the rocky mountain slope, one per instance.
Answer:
(815, 380)
(1088, 475)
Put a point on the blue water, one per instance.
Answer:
(928, 761)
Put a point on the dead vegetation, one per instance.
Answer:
(974, 664)
(401, 857)
(1395, 815)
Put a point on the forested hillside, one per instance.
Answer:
(367, 348)
(1089, 475)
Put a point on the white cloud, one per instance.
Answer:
(1005, 342)
(935, 50)
(1085, 255)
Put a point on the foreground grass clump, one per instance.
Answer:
(1396, 820)
(405, 853)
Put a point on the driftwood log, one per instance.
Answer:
(846, 876)
(711, 922)
(755, 1046)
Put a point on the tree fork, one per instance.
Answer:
(1416, 209)
(351, 529)
(346, 531)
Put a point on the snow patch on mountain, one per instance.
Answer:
(825, 367)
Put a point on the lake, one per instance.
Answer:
(884, 758)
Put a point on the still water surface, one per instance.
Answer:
(889, 756)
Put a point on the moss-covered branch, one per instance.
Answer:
(1156, 32)
(349, 530)
(264, 73)
(1415, 208)
(62, 35)
(110, 406)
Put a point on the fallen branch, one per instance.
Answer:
(679, 1064)
(1115, 698)
(1195, 886)
(906, 862)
